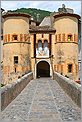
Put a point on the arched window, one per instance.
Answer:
(45, 44)
(46, 50)
(39, 48)
(39, 45)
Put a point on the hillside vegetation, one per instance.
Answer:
(37, 14)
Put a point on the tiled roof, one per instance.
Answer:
(9, 14)
(46, 21)
(60, 14)
(41, 28)
(45, 26)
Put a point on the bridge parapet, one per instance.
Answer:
(72, 88)
(10, 91)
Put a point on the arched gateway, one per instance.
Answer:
(43, 69)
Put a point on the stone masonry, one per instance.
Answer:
(42, 100)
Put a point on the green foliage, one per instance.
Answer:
(37, 14)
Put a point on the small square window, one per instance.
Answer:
(15, 59)
(69, 68)
(14, 37)
(69, 37)
(1, 37)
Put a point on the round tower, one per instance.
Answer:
(16, 49)
(66, 44)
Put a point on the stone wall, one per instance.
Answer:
(10, 91)
(72, 88)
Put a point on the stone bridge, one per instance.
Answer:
(42, 100)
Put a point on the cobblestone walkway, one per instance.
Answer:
(42, 100)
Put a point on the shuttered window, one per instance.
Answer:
(75, 38)
(76, 68)
(63, 37)
(8, 37)
(59, 35)
(21, 37)
(55, 38)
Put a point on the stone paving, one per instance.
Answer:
(42, 100)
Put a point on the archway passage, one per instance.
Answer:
(43, 69)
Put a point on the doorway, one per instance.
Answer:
(43, 69)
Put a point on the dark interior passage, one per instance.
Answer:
(43, 69)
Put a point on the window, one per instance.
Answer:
(57, 67)
(59, 37)
(15, 69)
(42, 35)
(1, 37)
(76, 38)
(25, 37)
(15, 59)
(45, 43)
(5, 38)
(63, 37)
(69, 38)
(56, 38)
(77, 68)
(21, 37)
(69, 68)
(46, 50)
(14, 37)
(40, 45)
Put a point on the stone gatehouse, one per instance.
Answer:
(42, 48)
